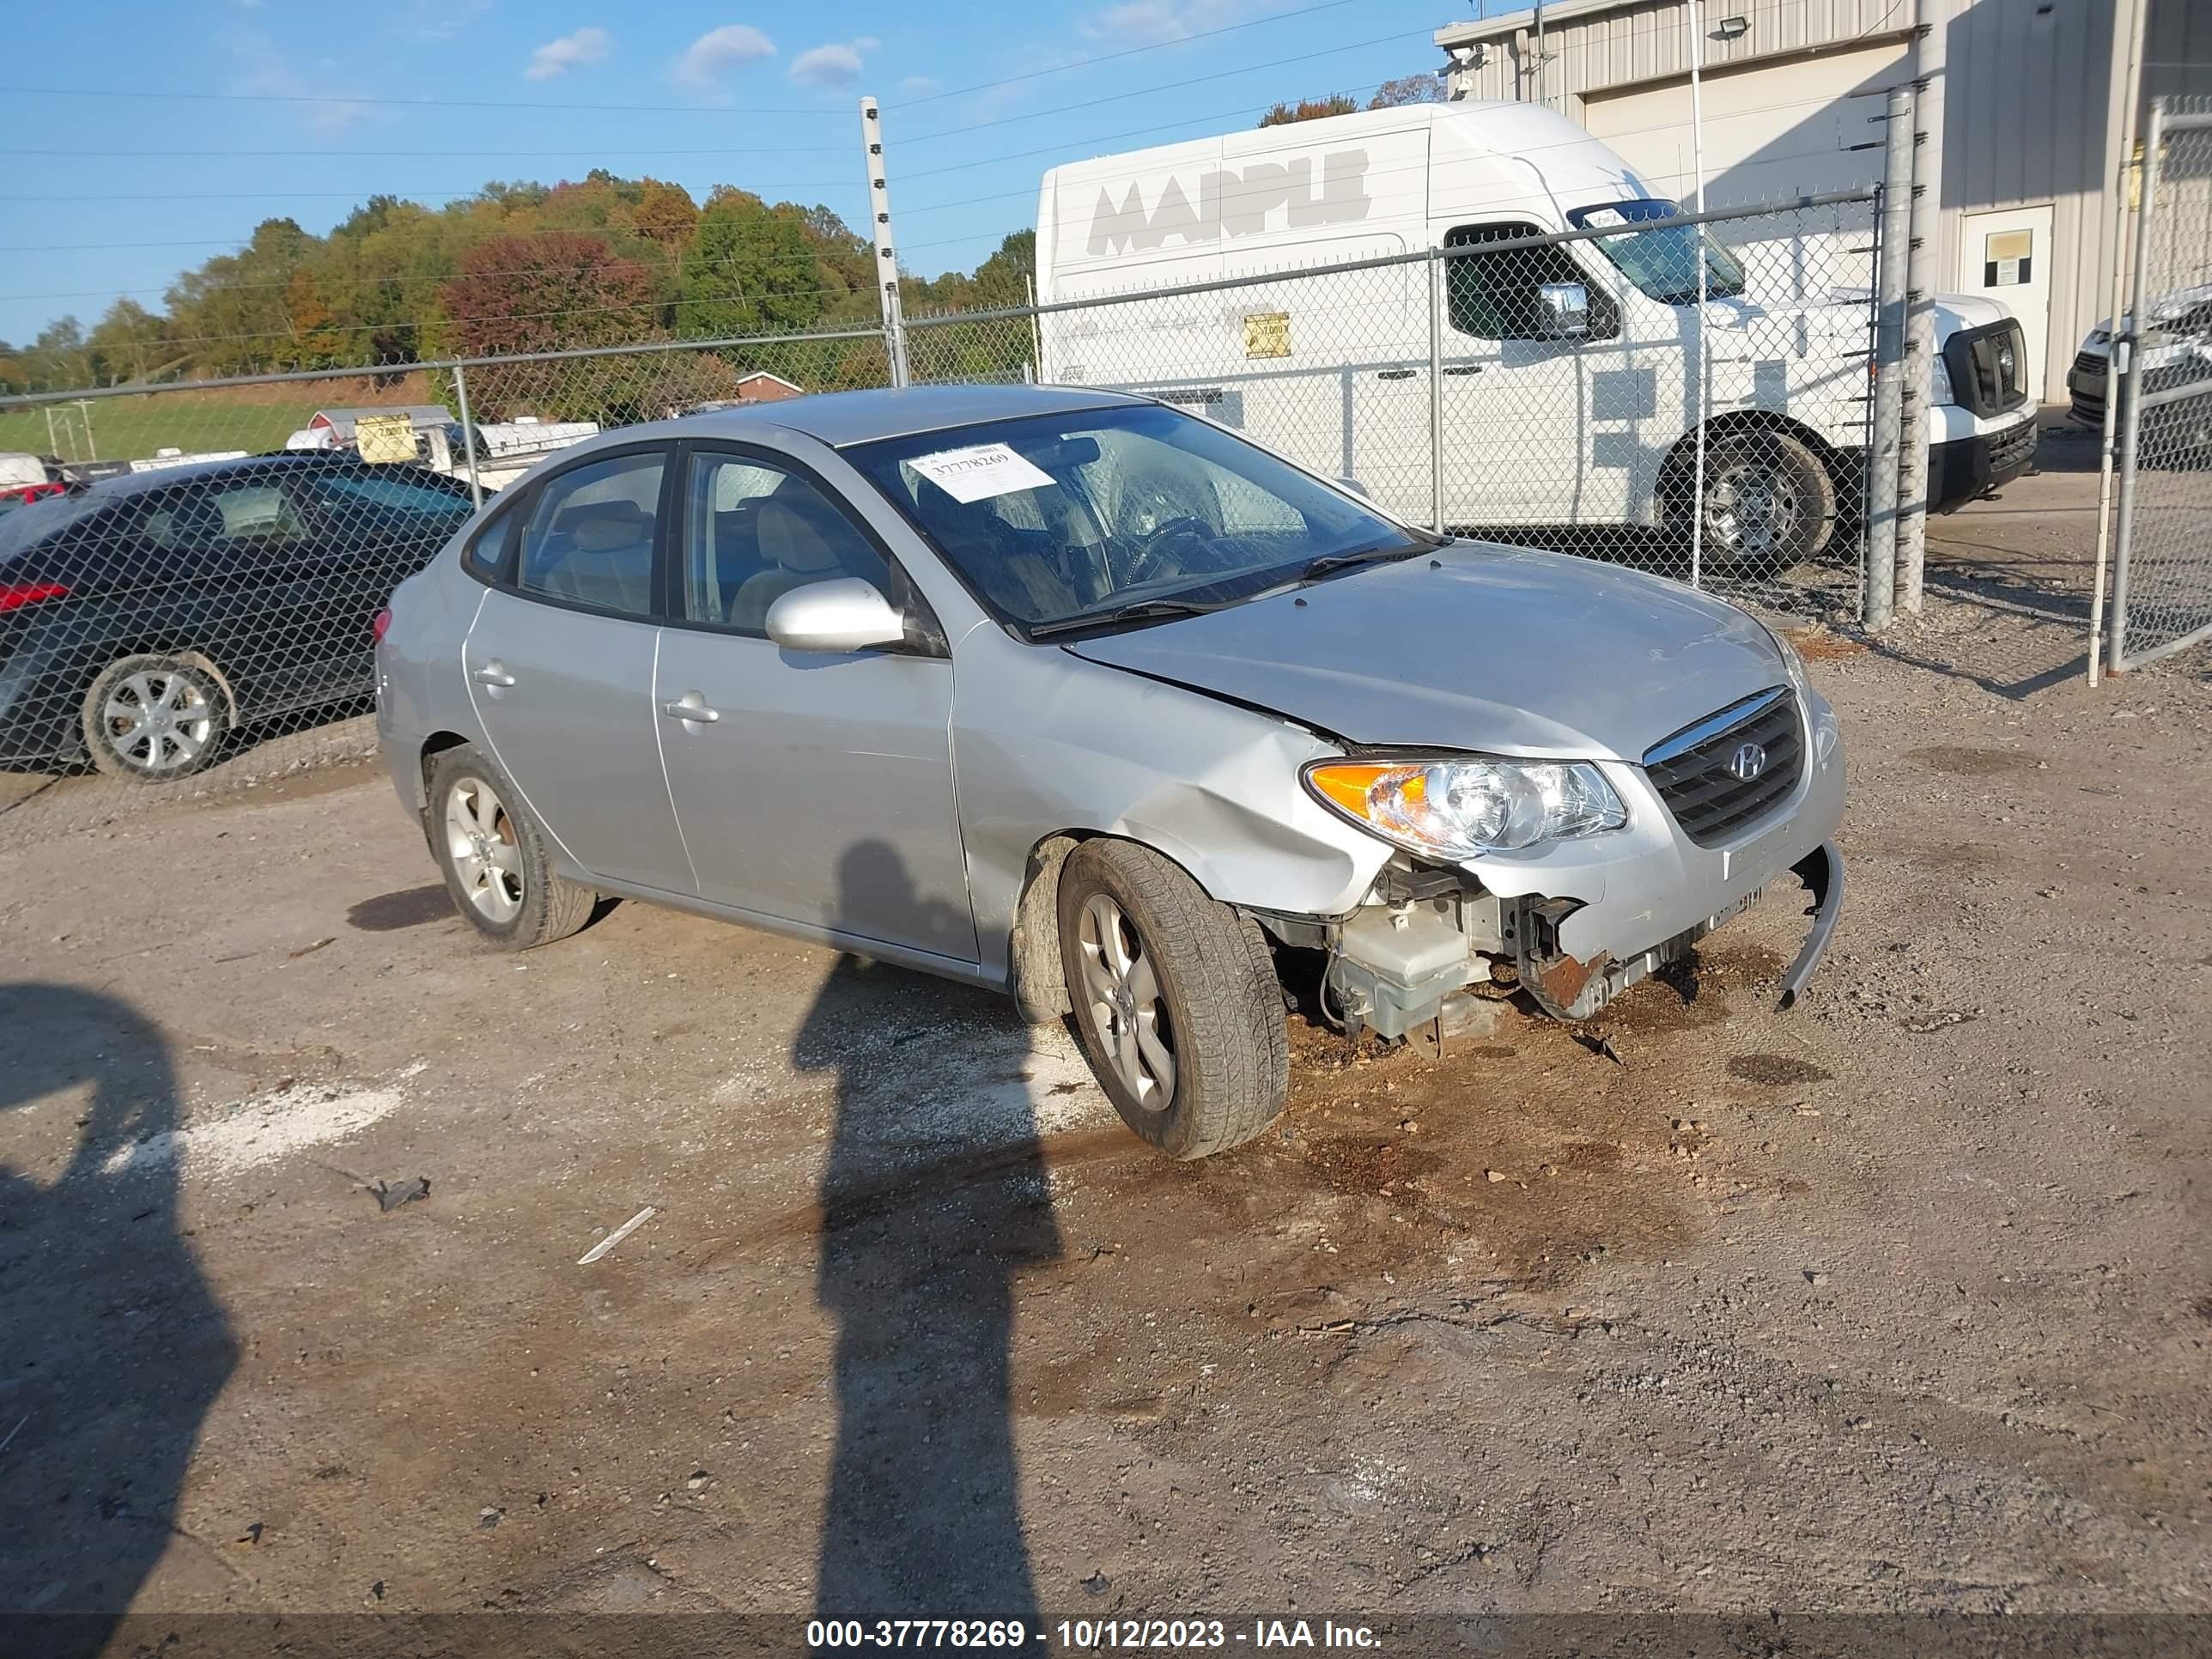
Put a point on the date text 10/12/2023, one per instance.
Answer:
(1087, 1635)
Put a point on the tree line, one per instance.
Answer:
(515, 268)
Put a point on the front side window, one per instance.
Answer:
(591, 534)
(754, 532)
(1494, 296)
(1661, 262)
(1054, 520)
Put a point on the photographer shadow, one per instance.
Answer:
(112, 1347)
(928, 1216)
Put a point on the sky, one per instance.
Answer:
(142, 139)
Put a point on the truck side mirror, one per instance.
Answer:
(1563, 311)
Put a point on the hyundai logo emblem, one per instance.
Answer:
(1747, 763)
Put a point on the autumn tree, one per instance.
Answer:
(126, 344)
(1309, 109)
(750, 270)
(1423, 88)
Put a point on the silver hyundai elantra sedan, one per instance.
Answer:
(1076, 696)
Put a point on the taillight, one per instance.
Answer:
(13, 596)
(382, 625)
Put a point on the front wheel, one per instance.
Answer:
(1175, 998)
(1769, 502)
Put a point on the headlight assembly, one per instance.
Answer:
(1939, 381)
(1462, 809)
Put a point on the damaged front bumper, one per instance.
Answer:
(1579, 921)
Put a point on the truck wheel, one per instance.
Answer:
(154, 718)
(495, 858)
(1770, 502)
(1176, 1000)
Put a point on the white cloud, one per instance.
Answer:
(441, 20)
(263, 71)
(556, 57)
(1150, 23)
(837, 65)
(715, 53)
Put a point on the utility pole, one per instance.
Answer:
(879, 217)
(1929, 52)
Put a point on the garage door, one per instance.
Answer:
(1778, 129)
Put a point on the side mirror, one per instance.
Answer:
(842, 614)
(1563, 311)
(1355, 487)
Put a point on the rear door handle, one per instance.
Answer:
(1465, 369)
(493, 673)
(690, 707)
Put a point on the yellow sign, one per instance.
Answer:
(385, 437)
(1268, 334)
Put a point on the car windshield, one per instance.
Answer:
(1055, 519)
(1661, 261)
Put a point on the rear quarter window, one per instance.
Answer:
(486, 556)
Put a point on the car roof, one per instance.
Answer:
(837, 418)
(297, 461)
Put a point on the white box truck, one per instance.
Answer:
(1569, 367)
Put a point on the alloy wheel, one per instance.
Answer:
(487, 854)
(158, 721)
(1127, 1011)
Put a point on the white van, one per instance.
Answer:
(1568, 380)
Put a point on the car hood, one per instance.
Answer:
(1505, 650)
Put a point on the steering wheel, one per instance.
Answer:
(1145, 561)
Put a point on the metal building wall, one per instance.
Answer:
(2034, 96)
(1589, 49)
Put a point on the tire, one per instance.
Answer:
(495, 858)
(1770, 502)
(1207, 1060)
(154, 718)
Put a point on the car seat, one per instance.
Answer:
(798, 538)
(607, 560)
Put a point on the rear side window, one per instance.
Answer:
(590, 537)
(391, 498)
(486, 555)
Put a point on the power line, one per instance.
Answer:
(400, 103)
(295, 153)
(1146, 92)
(1110, 56)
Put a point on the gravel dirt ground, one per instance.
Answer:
(1899, 1301)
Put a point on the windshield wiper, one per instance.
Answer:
(1316, 569)
(1135, 611)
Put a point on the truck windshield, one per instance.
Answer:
(1661, 261)
(1101, 517)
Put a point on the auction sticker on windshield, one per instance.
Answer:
(978, 473)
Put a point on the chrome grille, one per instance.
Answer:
(1691, 770)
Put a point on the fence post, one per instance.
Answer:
(2123, 378)
(879, 219)
(1436, 390)
(1930, 50)
(1879, 555)
(468, 433)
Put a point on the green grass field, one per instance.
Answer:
(133, 428)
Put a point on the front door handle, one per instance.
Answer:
(1395, 373)
(495, 673)
(689, 707)
(1465, 368)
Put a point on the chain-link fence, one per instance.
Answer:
(1686, 393)
(2161, 591)
(194, 567)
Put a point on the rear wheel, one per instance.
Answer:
(154, 718)
(1175, 998)
(1769, 501)
(494, 856)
